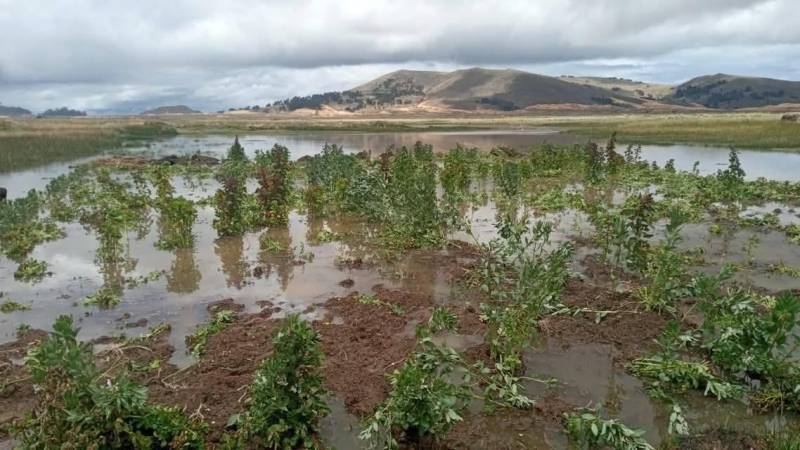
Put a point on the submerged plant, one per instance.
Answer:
(230, 199)
(31, 270)
(275, 186)
(177, 218)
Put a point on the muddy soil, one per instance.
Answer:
(16, 391)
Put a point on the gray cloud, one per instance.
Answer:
(122, 56)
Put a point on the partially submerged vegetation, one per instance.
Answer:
(630, 215)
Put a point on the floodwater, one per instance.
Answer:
(176, 287)
(776, 165)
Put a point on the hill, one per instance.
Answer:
(176, 109)
(469, 89)
(731, 91)
(62, 112)
(640, 89)
(13, 111)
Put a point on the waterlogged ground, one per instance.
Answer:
(335, 258)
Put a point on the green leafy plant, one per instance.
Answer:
(287, 397)
(79, 407)
(31, 270)
(8, 306)
(587, 429)
(230, 200)
(198, 340)
(275, 185)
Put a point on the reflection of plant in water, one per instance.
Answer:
(184, 275)
(230, 251)
(277, 253)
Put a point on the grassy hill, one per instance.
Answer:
(731, 91)
(469, 89)
(176, 109)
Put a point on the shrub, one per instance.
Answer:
(287, 397)
(77, 408)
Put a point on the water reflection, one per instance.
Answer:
(184, 275)
(230, 251)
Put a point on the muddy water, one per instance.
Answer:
(586, 375)
(777, 165)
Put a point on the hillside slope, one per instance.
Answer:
(731, 91)
(469, 89)
(176, 109)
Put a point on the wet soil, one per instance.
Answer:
(624, 325)
(362, 342)
(16, 391)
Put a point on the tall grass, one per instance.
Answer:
(32, 143)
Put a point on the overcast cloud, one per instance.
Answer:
(124, 56)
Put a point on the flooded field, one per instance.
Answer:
(367, 281)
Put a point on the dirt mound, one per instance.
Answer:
(362, 342)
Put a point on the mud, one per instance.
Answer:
(16, 391)
(368, 342)
(622, 323)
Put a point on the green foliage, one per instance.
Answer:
(587, 429)
(287, 397)
(667, 374)
(520, 277)
(413, 218)
(106, 297)
(275, 186)
(456, 175)
(8, 306)
(31, 270)
(426, 399)
(236, 153)
(77, 408)
(230, 199)
(371, 299)
(664, 272)
(22, 229)
(178, 215)
(197, 341)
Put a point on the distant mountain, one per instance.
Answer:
(13, 111)
(469, 89)
(731, 91)
(62, 112)
(176, 109)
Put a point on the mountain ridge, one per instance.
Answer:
(479, 89)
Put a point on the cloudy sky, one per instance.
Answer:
(124, 56)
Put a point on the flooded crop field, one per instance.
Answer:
(502, 289)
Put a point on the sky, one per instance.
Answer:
(122, 56)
